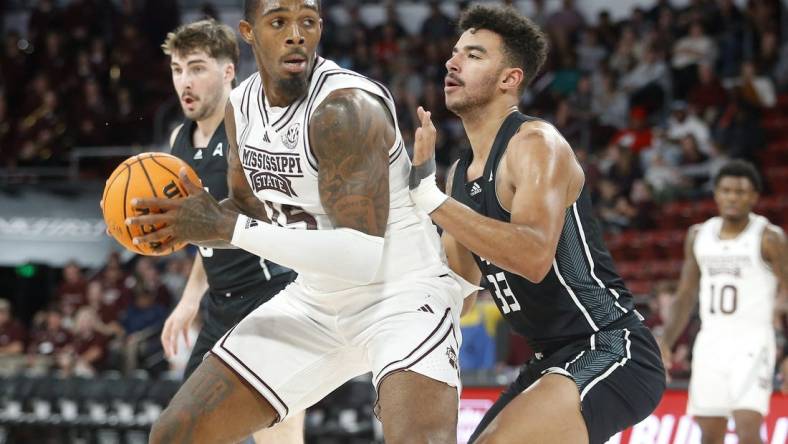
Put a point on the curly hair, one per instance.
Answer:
(525, 45)
(740, 168)
(216, 39)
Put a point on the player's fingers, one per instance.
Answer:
(191, 187)
(144, 203)
(162, 236)
(420, 113)
(149, 219)
(101, 204)
(186, 336)
(165, 338)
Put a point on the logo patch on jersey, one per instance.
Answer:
(251, 223)
(198, 155)
(290, 138)
(219, 150)
(452, 355)
(271, 171)
(475, 189)
(730, 264)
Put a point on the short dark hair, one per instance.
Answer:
(524, 43)
(251, 7)
(740, 168)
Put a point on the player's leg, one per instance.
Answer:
(417, 409)
(547, 412)
(748, 426)
(214, 406)
(289, 431)
(712, 429)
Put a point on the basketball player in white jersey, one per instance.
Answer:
(317, 159)
(733, 264)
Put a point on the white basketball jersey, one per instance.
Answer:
(279, 165)
(737, 288)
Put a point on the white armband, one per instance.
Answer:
(424, 189)
(341, 253)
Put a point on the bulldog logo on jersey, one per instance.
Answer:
(271, 171)
(290, 138)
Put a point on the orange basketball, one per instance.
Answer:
(142, 176)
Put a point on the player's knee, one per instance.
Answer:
(748, 435)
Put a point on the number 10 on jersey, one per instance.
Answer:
(504, 293)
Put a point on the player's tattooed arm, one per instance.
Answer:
(351, 133)
(242, 199)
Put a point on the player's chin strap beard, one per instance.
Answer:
(423, 187)
(292, 88)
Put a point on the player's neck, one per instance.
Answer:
(482, 125)
(206, 127)
(733, 227)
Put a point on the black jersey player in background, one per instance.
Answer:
(521, 222)
(203, 56)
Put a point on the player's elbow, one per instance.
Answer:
(534, 267)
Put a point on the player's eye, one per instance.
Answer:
(474, 56)
(277, 23)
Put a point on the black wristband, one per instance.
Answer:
(418, 172)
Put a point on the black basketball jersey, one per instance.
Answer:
(227, 270)
(581, 294)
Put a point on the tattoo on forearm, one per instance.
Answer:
(351, 134)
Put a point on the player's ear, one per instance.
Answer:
(512, 78)
(229, 71)
(245, 28)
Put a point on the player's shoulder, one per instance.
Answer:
(774, 234)
(537, 138)
(240, 92)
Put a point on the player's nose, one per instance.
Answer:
(295, 37)
(452, 65)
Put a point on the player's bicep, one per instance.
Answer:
(351, 133)
(543, 174)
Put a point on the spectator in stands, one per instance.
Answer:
(144, 312)
(755, 89)
(638, 136)
(48, 338)
(437, 26)
(147, 276)
(708, 97)
(691, 50)
(684, 122)
(12, 332)
(87, 352)
(590, 53)
(107, 308)
(71, 294)
(628, 52)
(610, 104)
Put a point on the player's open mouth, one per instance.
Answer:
(188, 101)
(295, 64)
(451, 84)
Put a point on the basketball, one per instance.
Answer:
(142, 176)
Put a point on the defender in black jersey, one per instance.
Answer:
(520, 221)
(203, 58)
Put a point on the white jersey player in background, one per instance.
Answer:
(316, 158)
(734, 262)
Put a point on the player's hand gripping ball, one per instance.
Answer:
(142, 176)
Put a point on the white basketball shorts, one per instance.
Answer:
(731, 373)
(300, 346)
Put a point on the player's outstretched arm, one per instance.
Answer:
(351, 133)
(546, 178)
(686, 297)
